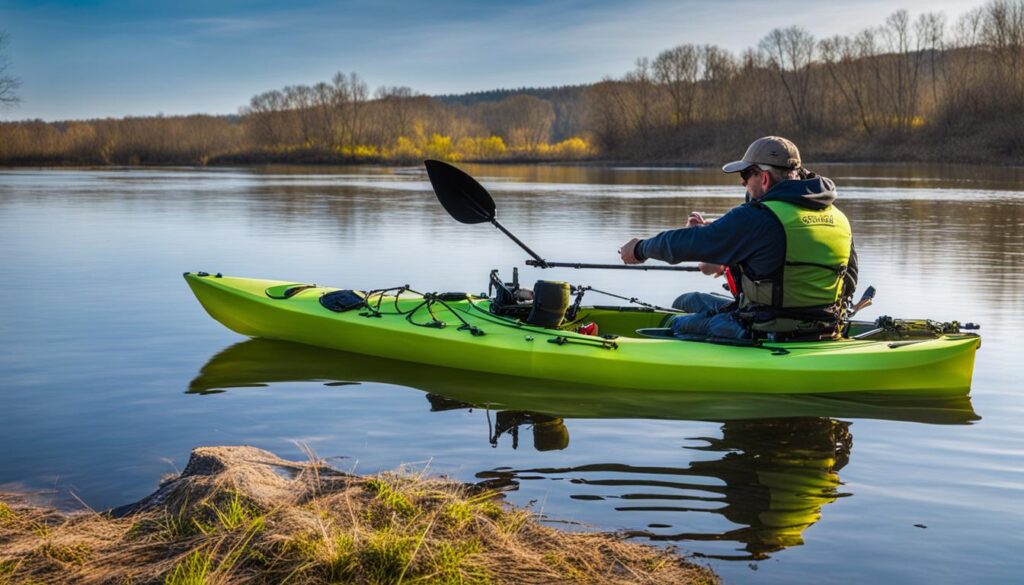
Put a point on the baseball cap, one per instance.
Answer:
(770, 150)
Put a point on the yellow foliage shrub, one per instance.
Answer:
(571, 148)
(441, 148)
(404, 149)
(359, 151)
(478, 147)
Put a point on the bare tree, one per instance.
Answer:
(524, 121)
(1003, 35)
(349, 98)
(965, 62)
(677, 71)
(8, 83)
(931, 30)
(604, 117)
(790, 52)
(901, 69)
(846, 60)
(396, 107)
(300, 100)
(264, 117)
(718, 68)
(636, 99)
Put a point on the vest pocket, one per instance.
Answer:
(757, 291)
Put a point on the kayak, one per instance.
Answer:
(457, 330)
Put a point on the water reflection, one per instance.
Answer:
(766, 477)
(769, 478)
(549, 432)
(259, 362)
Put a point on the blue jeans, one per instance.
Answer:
(704, 318)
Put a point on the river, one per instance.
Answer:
(110, 371)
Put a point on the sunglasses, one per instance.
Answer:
(748, 172)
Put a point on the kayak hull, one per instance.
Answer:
(932, 367)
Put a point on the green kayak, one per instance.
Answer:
(460, 331)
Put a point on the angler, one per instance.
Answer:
(788, 248)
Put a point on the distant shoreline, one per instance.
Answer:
(597, 163)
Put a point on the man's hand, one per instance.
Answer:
(695, 219)
(626, 252)
(715, 270)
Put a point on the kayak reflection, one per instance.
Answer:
(549, 432)
(258, 362)
(761, 484)
(770, 480)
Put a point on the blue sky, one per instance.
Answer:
(116, 58)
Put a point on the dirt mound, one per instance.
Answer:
(243, 515)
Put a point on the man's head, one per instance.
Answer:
(768, 161)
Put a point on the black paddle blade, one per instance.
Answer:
(462, 197)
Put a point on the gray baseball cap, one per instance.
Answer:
(770, 150)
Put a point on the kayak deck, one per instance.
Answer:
(462, 333)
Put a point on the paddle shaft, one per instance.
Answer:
(540, 261)
(546, 264)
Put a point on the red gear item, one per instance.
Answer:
(588, 329)
(732, 282)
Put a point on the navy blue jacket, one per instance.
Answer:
(749, 234)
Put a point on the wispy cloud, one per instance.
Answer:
(228, 25)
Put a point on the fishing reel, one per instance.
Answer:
(508, 299)
(547, 305)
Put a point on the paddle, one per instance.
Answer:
(468, 202)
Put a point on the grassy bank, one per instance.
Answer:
(242, 515)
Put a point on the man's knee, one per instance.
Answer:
(689, 302)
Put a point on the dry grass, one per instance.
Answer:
(240, 520)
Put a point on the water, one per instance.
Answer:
(110, 372)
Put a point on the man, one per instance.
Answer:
(789, 250)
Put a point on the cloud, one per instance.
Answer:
(227, 25)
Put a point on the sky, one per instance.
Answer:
(92, 59)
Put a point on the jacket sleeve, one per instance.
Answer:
(730, 239)
(850, 280)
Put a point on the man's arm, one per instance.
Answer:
(734, 237)
(630, 255)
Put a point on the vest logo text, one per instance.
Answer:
(817, 219)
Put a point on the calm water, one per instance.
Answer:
(110, 371)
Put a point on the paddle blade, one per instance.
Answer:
(462, 197)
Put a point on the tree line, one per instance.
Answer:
(911, 88)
